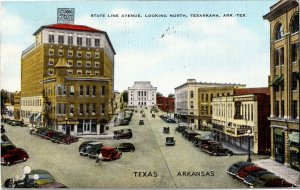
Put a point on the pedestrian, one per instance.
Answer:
(99, 159)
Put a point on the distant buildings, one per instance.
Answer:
(284, 82)
(142, 94)
(67, 79)
(166, 104)
(190, 100)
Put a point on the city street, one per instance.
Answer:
(152, 165)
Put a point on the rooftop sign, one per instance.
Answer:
(65, 15)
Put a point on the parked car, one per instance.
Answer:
(110, 153)
(249, 179)
(236, 167)
(17, 123)
(220, 151)
(66, 139)
(261, 180)
(206, 147)
(86, 150)
(124, 122)
(50, 134)
(14, 155)
(122, 135)
(247, 171)
(170, 120)
(166, 130)
(170, 141)
(199, 139)
(84, 144)
(126, 147)
(141, 122)
(277, 183)
(181, 127)
(4, 138)
(2, 129)
(95, 151)
(56, 137)
(6, 147)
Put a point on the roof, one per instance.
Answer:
(74, 27)
(280, 8)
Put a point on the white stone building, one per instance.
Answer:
(142, 94)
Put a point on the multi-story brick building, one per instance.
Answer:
(247, 109)
(142, 94)
(165, 104)
(188, 98)
(67, 79)
(284, 72)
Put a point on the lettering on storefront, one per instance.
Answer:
(68, 122)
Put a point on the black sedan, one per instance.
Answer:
(126, 147)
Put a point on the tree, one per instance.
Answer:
(125, 96)
(171, 95)
(158, 94)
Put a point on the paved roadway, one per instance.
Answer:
(152, 165)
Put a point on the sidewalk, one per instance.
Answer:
(281, 170)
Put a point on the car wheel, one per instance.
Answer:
(132, 150)
(8, 163)
(68, 142)
(24, 159)
(215, 154)
(229, 153)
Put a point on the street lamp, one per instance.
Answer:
(248, 135)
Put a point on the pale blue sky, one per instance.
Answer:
(231, 50)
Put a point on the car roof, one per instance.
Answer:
(107, 148)
(94, 143)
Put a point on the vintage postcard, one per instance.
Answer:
(150, 94)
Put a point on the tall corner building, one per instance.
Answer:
(284, 82)
(67, 79)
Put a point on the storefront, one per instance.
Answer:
(294, 150)
(279, 145)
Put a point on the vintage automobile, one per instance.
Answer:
(249, 179)
(170, 141)
(170, 120)
(141, 122)
(220, 151)
(261, 180)
(189, 134)
(4, 138)
(13, 156)
(86, 150)
(166, 130)
(122, 134)
(124, 122)
(17, 123)
(236, 167)
(199, 139)
(66, 139)
(95, 151)
(248, 170)
(126, 147)
(143, 115)
(153, 115)
(181, 127)
(276, 183)
(110, 153)
(6, 147)
(2, 129)
(206, 147)
(56, 137)
(84, 144)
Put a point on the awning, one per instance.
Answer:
(294, 137)
(37, 116)
(276, 81)
(30, 117)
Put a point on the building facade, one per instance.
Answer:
(188, 100)
(17, 105)
(165, 104)
(142, 94)
(234, 115)
(284, 82)
(67, 79)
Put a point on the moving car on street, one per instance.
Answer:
(170, 141)
(141, 122)
(13, 156)
(110, 153)
(166, 130)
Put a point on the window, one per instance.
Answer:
(295, 23)
(50, 71)
(70, 71)
(294, 52)
(281, 56)
(80, 90)
(79, 41)
(88, 72)
(97, 42)
(103, 108)
(51, 62)
(294, 81)
(103, 90)
(71, 109)
(87, 109)
(72, 90)
(192, 94)
(294, 109)
(282, 108)
(51, 51)
(88, 41)
(97, 64)
(88, 64)
(60, 39)
(97, 73)
(97, 55)
(79, 63)
(88, 54)
(93, 109)
(79, 72)
(279, 31)
(87, 90)
(51, 38)
(70, 53)
(70, 40)
(60, 52)
(282, 85)
(70, 62)
(94, 91)
(79, 53)
(80, 109)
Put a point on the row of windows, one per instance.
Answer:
(223, 110)
(205, 97)
(70, 53)
(82, 109)
(79, 63)
(70, 40)
(78, 72)
(294, 27)
(279, 55)
(87, 90)
(31, 102)
(280, 112)
(281, 86)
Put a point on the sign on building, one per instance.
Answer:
(65, 15)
